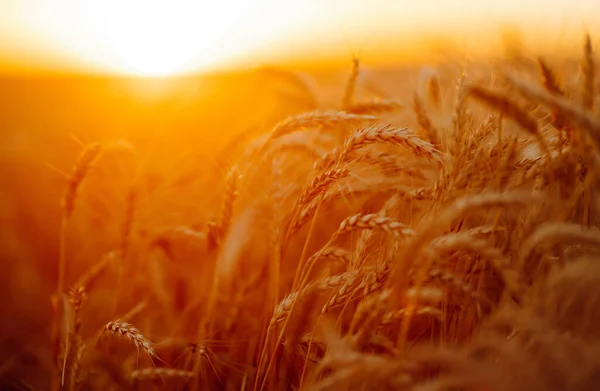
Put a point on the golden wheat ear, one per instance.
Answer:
(504, 104)
(349, 92)
(433, 134)
(80, 170)
(130, 333)
(589, 75)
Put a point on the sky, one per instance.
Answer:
(171, 36)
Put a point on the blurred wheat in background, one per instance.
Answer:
(419, 227)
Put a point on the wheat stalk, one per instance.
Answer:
(160, 373)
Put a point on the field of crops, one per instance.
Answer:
(431, 228)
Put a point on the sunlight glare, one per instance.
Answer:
(154, 37)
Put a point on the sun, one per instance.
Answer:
(155, 38)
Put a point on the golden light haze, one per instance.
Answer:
(163, 37)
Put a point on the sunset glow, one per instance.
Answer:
(158, 37)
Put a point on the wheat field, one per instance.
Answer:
(440, 234)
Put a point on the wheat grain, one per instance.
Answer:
(321, 183)
(363, 283)
(319, 285)
(387, 134)
(130, 333)
(373, 221)
(80, 170)
(337, 254)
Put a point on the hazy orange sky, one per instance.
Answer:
(154, 37)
